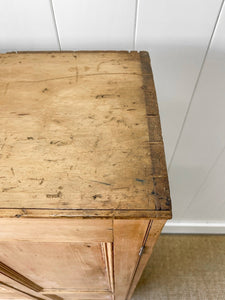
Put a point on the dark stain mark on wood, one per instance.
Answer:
(97, 196)
(42, 180)
(23, 114)
(30, 138)
(58, 195)
(44, 90)
(106, 96)
(140, 180)
(51, 160)
(8, 189)
(12, 170)
(58, 143)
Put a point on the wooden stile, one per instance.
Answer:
(84, 191)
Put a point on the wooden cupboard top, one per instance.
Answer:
(80, 136)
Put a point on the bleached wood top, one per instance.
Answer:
(80, 136)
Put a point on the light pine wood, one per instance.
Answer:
(128, 238)
(83, 180)
(78, 261)
(80, 131)
(9, 292)
(11, 284)
(155, 228)
(73, 295)
(61, 230)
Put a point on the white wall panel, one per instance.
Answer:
(95, 24)
(27, 25)
(176, 33)
(209, 203)
(202, 140)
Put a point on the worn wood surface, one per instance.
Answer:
(80, 131)
(128, 238)
(83, 178)
(57, 258)
(59, 230)
(154, 230)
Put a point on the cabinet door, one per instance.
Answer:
(59, 259)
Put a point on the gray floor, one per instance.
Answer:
(185, 267)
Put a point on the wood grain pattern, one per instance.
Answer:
(79, 134)
(9, 272)
(16, 286)
(58, 265)
(107, 252)
(8, 292)
(151, 238)
(83, 174)
(128, 238)
(61, 230)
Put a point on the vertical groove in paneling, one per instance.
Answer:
(135, 24)
(195, 86)
(55, 24)
(207, 176)
(26, 25)
(96, 24)
(202, 140)
(177, 34)
(208, 202)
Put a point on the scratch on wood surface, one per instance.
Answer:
(74, 76)
(8, 189)
(77, 74)
(140, 180)
(101, 182)
(12, 170)
(106, 96)
(80, 134)
(6, 88)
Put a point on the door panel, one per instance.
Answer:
(57, 259)
(58, 265)
(7, 282)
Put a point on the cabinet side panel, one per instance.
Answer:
(155, 230)
(128, 238)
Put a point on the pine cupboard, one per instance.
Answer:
(84, 190)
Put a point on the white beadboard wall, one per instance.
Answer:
(186, 41)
